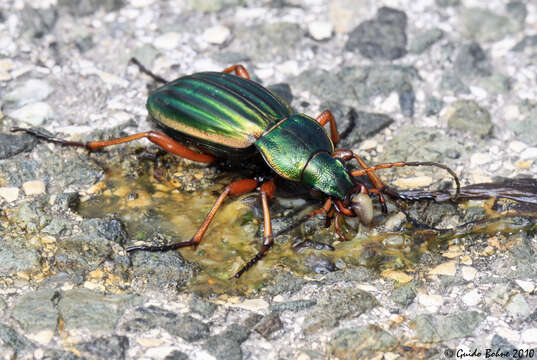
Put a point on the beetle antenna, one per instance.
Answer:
(412, 163)
(146, 71)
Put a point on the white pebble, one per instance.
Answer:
(529, 154)
(529, 335)
(517, 146)
(468, 273)
(320, 30)
(472, 298)
(168, 41)
(34, 187)
(34, 114)
(9, 193)
(480, 159)
(217, 34)
(527, 286)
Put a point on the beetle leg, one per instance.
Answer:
(146, 71)
(323, 210)
(325, 117)
(161, 140)
(239, 70)
(266, 191)
(235, 188)
(338, 228)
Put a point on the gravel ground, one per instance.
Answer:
(451, 81)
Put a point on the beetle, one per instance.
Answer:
(225, 115)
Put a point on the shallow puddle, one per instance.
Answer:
(153, 208)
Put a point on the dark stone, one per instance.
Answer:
(11, 145)
(471, 60)
(407, 99)
(176, 355)
(517, 10)
(448, 3)
(11, 339)
(504, 346)
(338, 305)
(319, 264)
(453, 83)
(369, 124)
(405, 294)
(294, 306)
(109, 228)
(433, 106)
(202, 307)
(283, 90)
(187, 328)
(81, 8)
(161, 270)
(529, 41)
(38, 22)
(67, 200)
(227, 344)
(269, 325)
(109, 347)
(361, 342)
(381, 38)
(438, 328)
(36, 311)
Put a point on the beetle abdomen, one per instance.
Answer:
(217, 108)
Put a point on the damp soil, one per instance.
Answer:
(166, 204)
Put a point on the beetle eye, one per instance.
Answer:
(362, 206)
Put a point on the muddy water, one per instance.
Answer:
(154, 206)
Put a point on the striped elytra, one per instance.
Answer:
(223, 110)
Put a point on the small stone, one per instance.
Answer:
(413, 182)
(468, 273)
(361, 342)
(437, 328)
(523, 164)
(469, 116)
(168, 41)
(256, 305)
(529, 336)
(384, 37)
(31, 91)
(35, 187)
(432, 302)
(396, 275)
(217, 34)
(34, 114)
(9, 193)
(320, 30)
(483, 25)
(529, 154)
(478, 159)
(517, 146)
(472, 298)
(517, 306)
(425, 39)
(527, 286)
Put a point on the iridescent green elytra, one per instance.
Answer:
(227, 114)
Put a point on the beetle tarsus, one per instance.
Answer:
(161, 248)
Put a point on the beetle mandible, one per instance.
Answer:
(224, 115)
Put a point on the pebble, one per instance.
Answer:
(517, 146)
(257, 305)
(431, 302)
(527, 286)
(217, 34)
(168, 41)
(518, 306)
(529, 335)
(472, 298)
(9, 193)
(33, 114)
(529, 154)
(396, 275)
(34, 187)
(478, 159)
(468, 273)
(31, 91)
(42, 337)
(413, 182)
(320, 30)
(448, 268)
